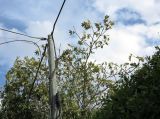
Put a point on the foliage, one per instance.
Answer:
(87, 90)
(135, 96)
(82, 81)
(16, 103)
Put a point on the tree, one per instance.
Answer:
(82, 82)
(136, 96)
(16, 103)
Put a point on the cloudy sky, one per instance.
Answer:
(136, 29)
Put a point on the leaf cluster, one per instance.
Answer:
(135, 96)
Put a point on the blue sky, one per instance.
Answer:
(137, 24)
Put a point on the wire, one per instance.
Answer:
(54, 25)
(11, 41)
(41, 38)
(32, 85)
(58, 17)
(40, 62)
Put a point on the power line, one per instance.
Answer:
(27, 41)
(35, 78)
(41, 38)
(52, 69)
(39, 65)
(38, 68)
(45, 48)
(43, 54)
(54, 25)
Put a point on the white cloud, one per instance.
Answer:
(138, 39)
(39, 28)
(122, 43)
(149, 9)
(153, 31)
(125, 41)
(9, 52)
(147, 31)
(44, 28)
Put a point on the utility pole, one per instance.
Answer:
(52, 79)
(55, 111)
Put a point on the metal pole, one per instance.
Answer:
(52, 79)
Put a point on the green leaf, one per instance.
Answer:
(86, 24)
(80, 42)
(71, 32)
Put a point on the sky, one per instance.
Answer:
(136, 29)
